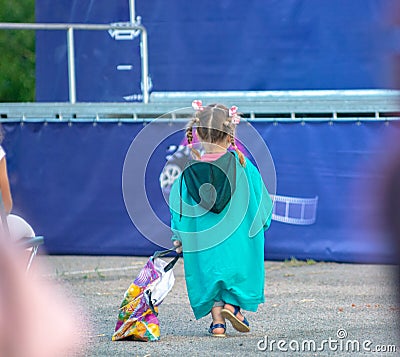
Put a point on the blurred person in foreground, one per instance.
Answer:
(35, 319)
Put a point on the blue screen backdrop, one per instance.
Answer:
(217, 45)
(67, 182)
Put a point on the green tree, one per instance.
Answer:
(17, 53)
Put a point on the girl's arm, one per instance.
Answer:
(5, 186)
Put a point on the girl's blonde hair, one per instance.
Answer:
(213, 124)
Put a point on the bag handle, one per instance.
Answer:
(171, 264)
(162, 253)
(147, 294)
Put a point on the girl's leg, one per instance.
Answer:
(235, 317)
(217, 317)
(232, 310)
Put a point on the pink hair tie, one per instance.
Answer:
(197, 105)
(233, 114)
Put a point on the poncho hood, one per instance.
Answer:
(211, 184)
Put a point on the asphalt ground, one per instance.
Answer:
(345, 309)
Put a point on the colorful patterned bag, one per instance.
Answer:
(137, 318)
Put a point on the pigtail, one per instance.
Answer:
(234, 117)
(189, 136)
(238, 152)
(189, 131)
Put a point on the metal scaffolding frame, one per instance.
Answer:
(272, 106)
(71, 28)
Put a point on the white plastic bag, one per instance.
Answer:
(159, 288)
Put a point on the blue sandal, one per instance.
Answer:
(238, 325)
(213, 327)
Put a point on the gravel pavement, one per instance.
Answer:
(306, 303)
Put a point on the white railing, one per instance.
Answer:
(70, 28)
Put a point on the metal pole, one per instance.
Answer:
(145, 65)
(71, 65)
(132, 11)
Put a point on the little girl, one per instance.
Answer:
(219, 211)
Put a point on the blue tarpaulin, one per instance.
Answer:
(67, 182)
(217, 45)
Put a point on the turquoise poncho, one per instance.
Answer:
(220, 220)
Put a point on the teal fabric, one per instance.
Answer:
(224, 252)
